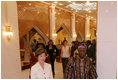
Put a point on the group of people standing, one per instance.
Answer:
(81, 64)
(77, 60)
(51, 52)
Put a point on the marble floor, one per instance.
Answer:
(58, 70)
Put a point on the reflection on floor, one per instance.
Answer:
(58, 70)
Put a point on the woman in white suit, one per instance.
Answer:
(41, 70)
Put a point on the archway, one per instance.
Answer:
(63, 34)
(79, 37)
(28, 40)
(42, 34)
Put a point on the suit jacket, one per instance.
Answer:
(38, 73)
(90, 51)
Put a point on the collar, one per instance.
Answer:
(89, 46)
(82, 58)
(40, 66)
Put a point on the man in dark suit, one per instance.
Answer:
(73, 48)
(94, 47)
(90, 50)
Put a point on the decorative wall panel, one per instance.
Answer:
(31, 14)
(80, 25)
(63, 17)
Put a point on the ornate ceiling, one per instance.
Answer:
(36, 13)
(84, 13)
(33, 6)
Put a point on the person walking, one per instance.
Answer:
(80, 66)
(65, 55)
(52, 52)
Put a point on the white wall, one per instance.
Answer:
(10, 55)
(107, 40)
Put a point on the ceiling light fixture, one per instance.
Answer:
(55, 2)
(89, 11)
(60, 4)
(73, 3)
(30, 4)
(88, 2)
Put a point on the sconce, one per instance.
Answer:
(88, 35)
(54, 34)
(74, 35)
(96, 34)
(8, 33)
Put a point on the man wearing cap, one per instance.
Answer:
(80, 66)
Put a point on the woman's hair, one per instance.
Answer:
(40, 51)
(73, 42)
(64, 41)
(43, 46)
(88, 42)
(50, 41)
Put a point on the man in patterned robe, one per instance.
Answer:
(80, 66)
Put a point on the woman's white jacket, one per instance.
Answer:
(38, 73)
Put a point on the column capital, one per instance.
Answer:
(88, 17)
(73, 14)
(52, 6)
